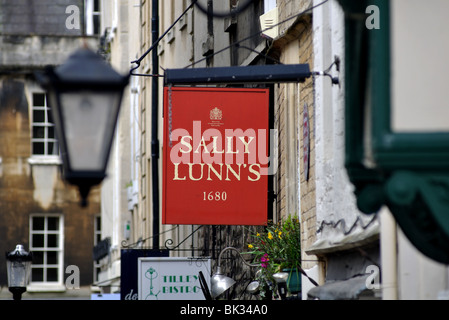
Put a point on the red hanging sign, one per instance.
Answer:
(215, 159)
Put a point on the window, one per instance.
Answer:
(43, 138)
(97, 239)
(46, 243)
(269, 5)
(93, 23)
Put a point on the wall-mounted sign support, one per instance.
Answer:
(198, 122)
(233, 75)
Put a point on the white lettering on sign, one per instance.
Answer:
(211, 156)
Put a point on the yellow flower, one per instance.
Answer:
(270, 236)
(250, 246)
(279, 234)
(258, 234)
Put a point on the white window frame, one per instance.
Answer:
(42, 286)
(97, 235)
(46, 124)
(89, 17)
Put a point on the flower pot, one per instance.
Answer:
(293, 280)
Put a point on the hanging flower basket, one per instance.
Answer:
(278, 248)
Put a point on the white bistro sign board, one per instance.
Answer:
(164, 278)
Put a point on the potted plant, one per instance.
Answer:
(278, 249)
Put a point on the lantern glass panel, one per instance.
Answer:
(18, 273)
(89, 121)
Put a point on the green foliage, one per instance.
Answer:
(276, 248)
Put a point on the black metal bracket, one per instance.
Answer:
(169, 242)
(240, 74)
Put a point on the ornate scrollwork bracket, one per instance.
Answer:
(420, 204)
(169, 242)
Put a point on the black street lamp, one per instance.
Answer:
(18, 265)
(84, 95)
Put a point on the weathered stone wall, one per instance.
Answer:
(307, 186)
(34, 33)
(37, 188)
(296, 192)
(39, 17)
(23, 53)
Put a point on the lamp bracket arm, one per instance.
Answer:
(240, 255)
(156, 42)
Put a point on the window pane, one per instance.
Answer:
(52, 240)
(96, 5)
(53, 223)
(51, 132)
(38, 257)
(97, 272)
(38, 148)
(38, 132)
(38, 99)
(98, 223)
(53, 148)
(96, 20)
(52, 274)
(38, 223)
(38, 241)
(37, 274)
(52, 257)
(38, 116)
(49, 117)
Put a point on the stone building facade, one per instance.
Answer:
(197, 41)
(311, 181)
(189, 43)
(37, 208)
(295, 179)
